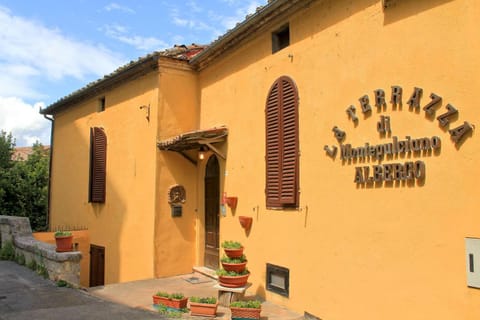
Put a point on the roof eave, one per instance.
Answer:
(129, 72)
(264, 18)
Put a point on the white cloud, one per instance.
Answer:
(195, 23)
(30, 49)
(121, 33)
(24, 121)
(118, 7)
(229, 22)
(33, 56)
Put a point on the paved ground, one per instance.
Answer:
(138, 294)
(25, 295)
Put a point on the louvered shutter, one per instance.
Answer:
(98, 164)
(282, 144)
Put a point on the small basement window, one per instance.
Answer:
(101, 104)
(278, 279)
(281, 38)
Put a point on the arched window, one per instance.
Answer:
(282, 145)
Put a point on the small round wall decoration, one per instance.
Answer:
(177, 194)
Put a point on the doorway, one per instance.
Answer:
(97, 265)
(212, 213)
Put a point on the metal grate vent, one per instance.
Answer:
(278, 279)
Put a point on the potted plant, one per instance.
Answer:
(64, 241)
(246, 309)
(234, 264)
(232, 279)
(206, 307)
(233, 249)
(173, 300)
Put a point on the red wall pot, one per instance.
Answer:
(245, 222)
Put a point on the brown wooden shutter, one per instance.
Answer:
(282, 144)
(273, 131)
(98, 164)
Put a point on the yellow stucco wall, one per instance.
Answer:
(178, 113)
(124, 224)
(394, 251)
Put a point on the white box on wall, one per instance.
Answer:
(472, 246)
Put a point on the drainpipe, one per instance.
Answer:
(52, 120)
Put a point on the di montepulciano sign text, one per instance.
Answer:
(395, 146)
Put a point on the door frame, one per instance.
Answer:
(217, 176)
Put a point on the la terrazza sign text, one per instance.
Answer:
(395, 146)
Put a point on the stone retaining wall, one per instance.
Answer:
(59, 265)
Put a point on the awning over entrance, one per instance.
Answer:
(195, 140)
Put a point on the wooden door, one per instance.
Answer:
(212, 213)
(97, 265)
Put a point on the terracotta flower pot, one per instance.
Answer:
(171, 303)
(64, 243)
(232, 202)
(245, 222)
(233, 281)
(237, 267)
(233, 253)
(203, 309)
(245, 313)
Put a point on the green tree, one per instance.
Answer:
(24, 184)
(7, 146)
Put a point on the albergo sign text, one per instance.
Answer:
(395, 146)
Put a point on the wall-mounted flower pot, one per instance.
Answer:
(245, 222)
(232, 202)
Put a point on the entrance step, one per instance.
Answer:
(206, 272)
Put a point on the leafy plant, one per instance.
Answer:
(229, 244)
(177, 296)
(63, 234)
(62, 283)
(32, 265)
(226, 259)
(253, 304)
(208, 300)
(20, 259)
(164, 310)
(223, 272)
(7, 252)
(163, 294)
(42, 270)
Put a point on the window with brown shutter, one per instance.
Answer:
(98, 164)
(281, 114)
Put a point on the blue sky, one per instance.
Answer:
(50, 48)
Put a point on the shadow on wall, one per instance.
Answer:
(174, 237)
(396, 10)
